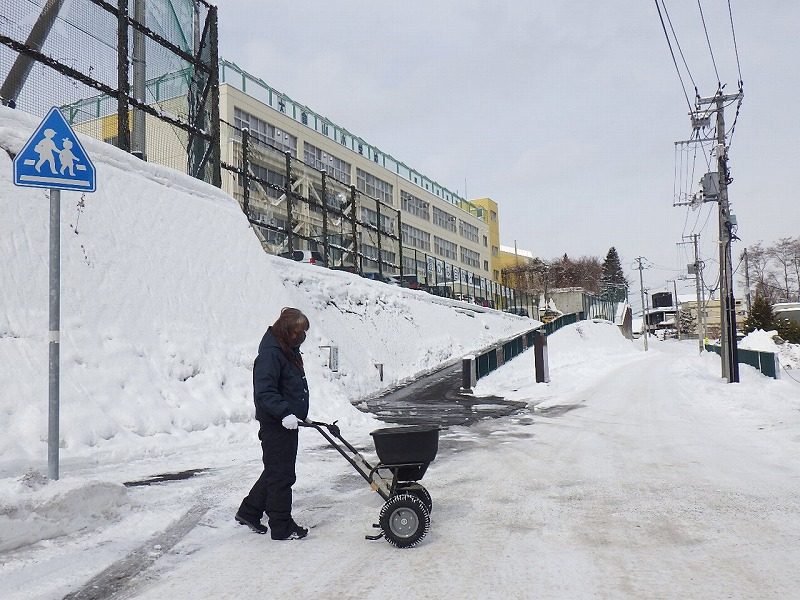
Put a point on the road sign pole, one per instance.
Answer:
(55, 332)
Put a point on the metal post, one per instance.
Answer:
(54, 334)
(246, 171)
(380, 258)
(354, 215)
(138, 142)
(123, 85)
(400, 242)
(287, 190)
(214, 122)
(18, 74)
(325, 242)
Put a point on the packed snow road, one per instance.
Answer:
(654, 480)
(633, 475)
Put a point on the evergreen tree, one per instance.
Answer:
(761, 315)
(788, 330)
(688, 322)
(613, 284)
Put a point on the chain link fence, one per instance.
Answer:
(139, 74)
(295, 206)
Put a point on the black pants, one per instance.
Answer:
(272, 493)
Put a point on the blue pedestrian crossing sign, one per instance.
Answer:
(54, 158)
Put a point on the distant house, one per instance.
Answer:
(787, 310)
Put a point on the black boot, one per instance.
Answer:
(255, 526)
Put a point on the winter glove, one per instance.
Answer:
(290, 422)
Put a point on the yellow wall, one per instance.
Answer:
(493, 220)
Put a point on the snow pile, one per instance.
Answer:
(165, 294)
(35, 508)
(764, 341)
(575, 353)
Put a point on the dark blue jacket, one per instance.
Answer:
(279, 387)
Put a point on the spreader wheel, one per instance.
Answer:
(418, 490)
(404, 520)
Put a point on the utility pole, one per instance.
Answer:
(639, 260)
(747, 279)
(694, 269)
(730, 352)
(677, 307)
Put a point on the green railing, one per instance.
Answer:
(766, 362)
(487, 361)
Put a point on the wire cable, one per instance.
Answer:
(713, 61)
(735, 47)
(677, 43)
(674, 61)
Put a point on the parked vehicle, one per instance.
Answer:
(407, 281)
(375, 276)
(305, 256)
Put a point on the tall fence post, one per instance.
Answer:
(354, 223)
(123, 85)
(325, 242)
(246, 171)
(215, 126)
(540, 357)
(380, 230)
(289, 199)
(468, 374)
(400, 243)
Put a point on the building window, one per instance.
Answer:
(271, 177)
(444, 248)
(494, 216)
(486, 265)
(468, 231)
(265, 133)
(444, 219)
(470, 257)
(416, 238)
(371, 256)
(495, 250)
(321, 160)
(374, 187)
(485, 241)
(415, 206)
(370, 217)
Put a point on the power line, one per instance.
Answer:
(713, 61)
(735, 47)
(677, 43)
(674, 61)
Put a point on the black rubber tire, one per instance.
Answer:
(404, 520)
(418, 490)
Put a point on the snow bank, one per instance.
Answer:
(165, 294)
(34, 508)
(763, 341)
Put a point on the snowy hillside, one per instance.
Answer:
(165, 294)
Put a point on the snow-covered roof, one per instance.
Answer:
(510, 250)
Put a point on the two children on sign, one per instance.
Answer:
(45, 149)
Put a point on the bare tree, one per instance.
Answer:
(783, 253)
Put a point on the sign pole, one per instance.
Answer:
(54, 333)
(53, 158)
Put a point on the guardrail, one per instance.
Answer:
(479, 365)
(766, 362)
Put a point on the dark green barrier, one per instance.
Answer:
(766, 362)
(487, 362)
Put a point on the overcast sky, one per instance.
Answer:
(565, 113)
